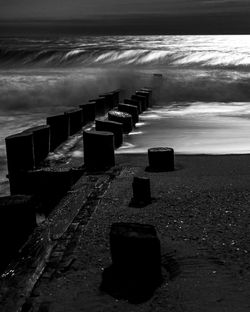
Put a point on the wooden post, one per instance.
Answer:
(20, 152)
(150, 92)
(41, 142)
(89, 112)
(161, 159)
(101, 105)
(142, 100)
(17, 221)
(141, 191)
(111, 126)
(135, 103)
(136, 262)
(59, 129)
(75, 120)
(124, 118)
(112, 97)
(146, 95)
(130, 109)
(98, 150)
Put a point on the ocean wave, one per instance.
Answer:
(124, 57)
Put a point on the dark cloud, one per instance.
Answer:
(63, 9)
(130, 16)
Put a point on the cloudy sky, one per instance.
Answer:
(172, 15)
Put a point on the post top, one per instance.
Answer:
(160, 149)
(119, 114)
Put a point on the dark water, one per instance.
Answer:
(203, 100)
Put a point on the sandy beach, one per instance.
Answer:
(201, 214)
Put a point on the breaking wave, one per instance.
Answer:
(169, 51)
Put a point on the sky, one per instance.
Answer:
(149, 15)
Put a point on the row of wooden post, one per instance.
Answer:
(99, 144)
(27, 150)
(33, 186)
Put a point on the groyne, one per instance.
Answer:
(40, 187)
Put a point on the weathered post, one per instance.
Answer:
(130, 109)
(75, 120)
(112, 98)
(124, 118)
(136, 262)
(59, 129)
(41, 142)
(89, 112)
(17, 221)
(135, 103)
(146, 95)
(150, 93)
(111, 126)
(141, 191)
(161, 159)
(20, 152)
(101, 105)
(142, 100)
(98, 150)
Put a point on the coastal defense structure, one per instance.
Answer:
(111, 126)
(88, 111)
(141, 191)
(161, 159)
(147, 95)
(142, 100)
(59, 129)
(98, 149)
(75, 117)
(17, 221)
(124, 118)
(112, 98)
(41, 142)
(130, 109)
(20, 158)
(26, 151)
(101, 105)
(38, 184)
(20, 152)
(136, 262)
(134, 103)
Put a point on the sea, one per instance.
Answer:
(201, 87)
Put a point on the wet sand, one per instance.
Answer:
(201, 213)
